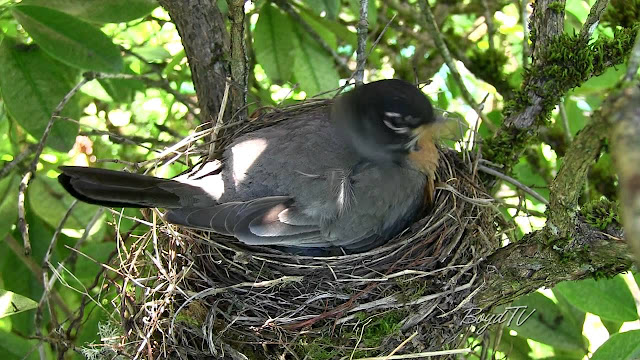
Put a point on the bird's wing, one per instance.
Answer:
(272, 220)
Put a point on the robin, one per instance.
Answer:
(334, 180)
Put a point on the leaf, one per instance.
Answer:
(548, 324)
(607, 298)
(12, 303)
(612, 326)
(313, 68)
(50, 202)
(575, 115)
(32, 84)
(514, 347)
(621, 346)
(274, 43)
(331, 7)
(14, 347)
(69, 39)
(104, 11)
(8, 203)
(530, 176)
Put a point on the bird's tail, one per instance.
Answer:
(122, 189)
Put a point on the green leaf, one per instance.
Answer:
(530, 176)
(612, 326)
(104, 11)
(514, 347)
(8, 203)
(331, 7)
(607, 298)
(12, 303)
(575, 115)
(313, 68)
(50, 202)
(274, 43)
(340, 31)
(548, 325)
(69, 39)
(621, 346)
(32, 84)
(14, 347)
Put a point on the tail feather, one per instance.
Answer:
(121, 189)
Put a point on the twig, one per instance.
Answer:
(402, 344)
(420, 355)
(514, 182)
(593, 19)
(363, 28)
(17, 160)
(634, 60)
(286, 6)
(565, 122)
(444, 51)
(22, 220)
(488, 19)
(219, 122)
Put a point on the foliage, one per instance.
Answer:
(148, 102)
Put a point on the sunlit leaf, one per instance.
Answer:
(49, 201)
(106, 11)
(608, 298)
(12, 303)
(274, 43)
(621, 346)
(8, 202)
(69, 39)
(547, 324)
(32, 85)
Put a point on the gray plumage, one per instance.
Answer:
(297, 185)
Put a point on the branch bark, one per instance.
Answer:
(206, 41)
(624, 119)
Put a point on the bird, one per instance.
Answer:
(334, 180)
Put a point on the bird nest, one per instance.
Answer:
(192, 294)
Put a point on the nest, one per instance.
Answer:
(201, 295)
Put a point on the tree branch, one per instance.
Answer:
(363, 28)
(206, 41)
(239, 60)
(624, 119)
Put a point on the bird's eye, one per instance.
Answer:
(391, 121)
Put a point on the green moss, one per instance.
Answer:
(601, 213)
(488, 65)
(625, 13)
(569, 62)
(556, 6)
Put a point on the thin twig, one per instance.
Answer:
(444, 51)
(565, 122)
(363, 28)
(219, 122)
(22, 220)
(514, 182)
(17, 160)
(488, 19)
(420, 355)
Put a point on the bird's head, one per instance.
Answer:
(389, 121)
